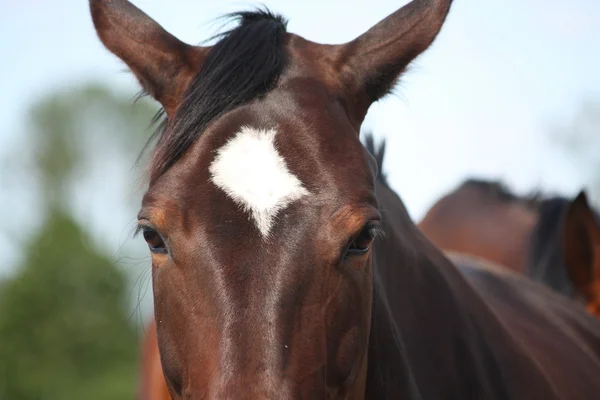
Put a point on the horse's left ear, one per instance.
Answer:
(370, 64)
(163, 64)
(582, 245)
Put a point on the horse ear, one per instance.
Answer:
(371, 63)
(163, 64)
(582, 245)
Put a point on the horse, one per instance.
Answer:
(550, 239)
(152, 383)
(276, 271)
(544, 255)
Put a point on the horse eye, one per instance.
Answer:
(155, 242)
(361, 243)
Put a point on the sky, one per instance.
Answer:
(480, 102)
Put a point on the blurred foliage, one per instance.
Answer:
(580, 138)
(66, 330)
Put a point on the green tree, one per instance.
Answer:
(66, 327)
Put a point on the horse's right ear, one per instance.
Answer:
(582, 246)
(163, 64)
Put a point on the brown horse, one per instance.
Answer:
(152, 384)
(552, 240)
(546, 253)
(261, 217)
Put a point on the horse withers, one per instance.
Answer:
(278, 270)
(483, 218)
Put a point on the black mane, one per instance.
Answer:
(500, 191)
(546, 249)
(378, 154)
(546, 258)
(243, 65)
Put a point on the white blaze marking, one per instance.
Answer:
(252, 172)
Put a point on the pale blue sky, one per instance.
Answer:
(477, 103)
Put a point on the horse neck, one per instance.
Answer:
(422, 329)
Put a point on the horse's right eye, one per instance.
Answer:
(361, 244)
(155, 242)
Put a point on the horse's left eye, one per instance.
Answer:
(362, 243)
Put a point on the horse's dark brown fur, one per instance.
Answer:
(313, 311)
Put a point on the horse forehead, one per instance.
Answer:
(251, 170)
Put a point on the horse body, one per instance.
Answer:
(544, 325)
(263, 216)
